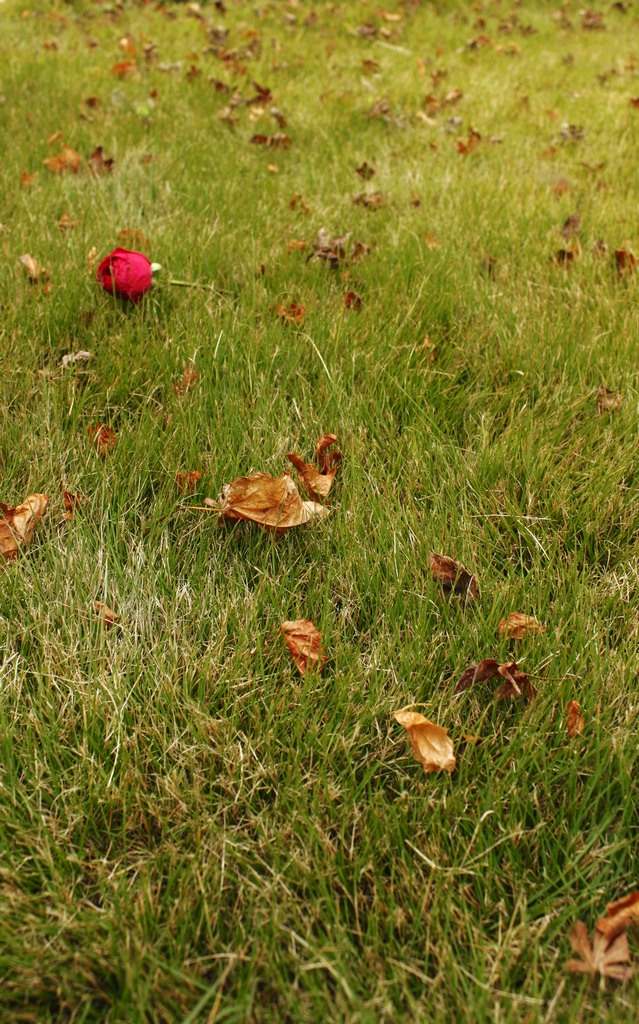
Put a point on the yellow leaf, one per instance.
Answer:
(431, 744)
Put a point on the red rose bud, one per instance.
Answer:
(127, 274)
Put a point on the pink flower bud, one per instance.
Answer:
(127, 274)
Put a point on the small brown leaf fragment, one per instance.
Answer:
(107, 614)
(571, 226)
(607, 400)
(620, 915)
(603, 957)
(516, 682)
(370, 200)
(70, 358)
(132, 238)
(187, 481)
(318, 479)
(27, 179)
(576, 723)
(272, 502)
(34, 270)
(432, 242)
(592, 19)
(352, 300)
(276, 141)
(66, 223)
(432, 746)
(517, 626)
(190, 377)
(634, 102)
(626, 262)
(564, 257)
(561, 185)
(71, 502)
(304, 641)
(98, 164)
(124, 69)
(67, 160)
(471, 143)
(296, 245)
(103, 437)
(452, 575)
(17, 524)
(365, 171)
(291, 314)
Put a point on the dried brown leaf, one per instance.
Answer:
(304, 641)
(107, 614)
(133, 238)
(370, 200)
(187, 481)
(272, 502)
(626, 262)
(17, 524)
(103, 437)
(66, 223)
(517, 626)
(67, 160)
(190, 377)
(365, 171)
(35, 271)
(98, 164)
(431, 744)
(620, 915)
(318, 479)
(516, 682)
(353, 300)
(576, 723)
(607, 400)
(453, 577)
(604, 957)
(291, 314)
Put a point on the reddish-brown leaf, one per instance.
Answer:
(190, 377)
(607, 400)
(291, 314)
(365, 171)
(432, 746)
(453, 577)
(353, 300)
(304, 641)
(66, 223)
(517, 626)
(318, 479)
(276, 141)
(71, 502)
(620, 915)
(107, 614)
(133, 238)
(575, 723)
(516, 682)
(103, 437)
(67, 160)
(98, 164)
(187, 481)
(17, 524)
(370, 200)
(626, 262)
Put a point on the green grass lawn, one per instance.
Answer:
(190, 830)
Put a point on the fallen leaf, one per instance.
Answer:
(187, 481)
(576, 722)
(431, 744)
(603, 957)
(124, 69)
(27, 179)
(471, 143)
(304, 641)
(620, 915)
(516, 682)
(75, 357)
(517, 626)
(453, 577)
(432, 242)
(272, 502)
(561, 185)
(295, 245)
(318, 479)
(352, 300)
(277, 141)
(132, 238)
(626, 261)
(564, 257)
(370, 200)
(17, 524)
(55, 137)
(592, 19)
(98, 164)
(291, 314)
(607, 400)
(34, 270)
(71, 502)
(66, 223)
(333, 250)
(190, 376)
(67, 160)
(107, 614)
(571, 226)
(104, 438)
(365, 171)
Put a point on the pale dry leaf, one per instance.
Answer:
(81, 356)
(620, 915)
(107, 614)
(17, 524)
(432, 746)
(576, 722)
(604, 957)
(317, 480)
(272, 502)
(304, 641)
(607, 400)
(517, 626)
(35, 271)
(452, 575)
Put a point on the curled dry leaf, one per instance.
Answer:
(620, 915)
(517, 626)
(576, 722)
(71, 502)
(291, 314)
(317, 480)
(98, 164)
(304, 641)
(432, 746)
(276, 141)
(365, 171)
(626, 262)
(103, 437)
(67, 160)
(272, 502)
(35, 272)
(107, 614)
(516, 682)
(453, 577)
(17, 524)
(190, 376)
(370, 200)
(66, 223)
(82, 356)
(187, 482)
(604, 957)
(607, 400)
(353, 300)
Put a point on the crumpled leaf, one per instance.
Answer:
(453, 577)
(188, 480)
(291, 314)
(98, 164)
(190, 377)
(517, 626)
(17, 524)
(604, 957)
(67, 160)
(103, 437)
(607, 400)
(272, 502)
(35, 271)
(620, 915)
(304, 641)
(107, 614)
(576, 722)
(516, 682)
(71, 502)
(318, 479)
(81, 356)
(431, 744)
